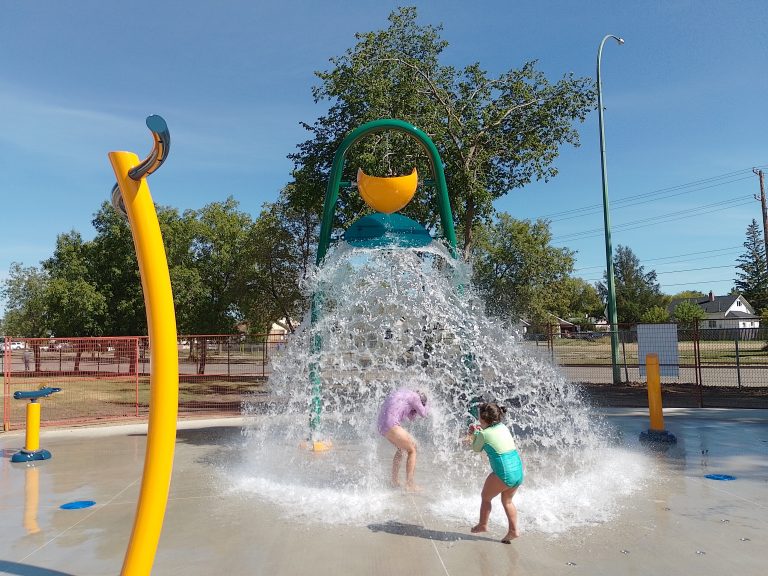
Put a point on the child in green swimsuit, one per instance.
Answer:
(495, 438)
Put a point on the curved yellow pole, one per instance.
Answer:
(164, 379)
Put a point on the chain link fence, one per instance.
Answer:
(729, 357)
(107, 379)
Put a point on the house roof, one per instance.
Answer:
(745, 315)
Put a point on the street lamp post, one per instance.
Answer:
(607, 220)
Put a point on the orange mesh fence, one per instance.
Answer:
(108, 378)
(98, 378)
(216, 372)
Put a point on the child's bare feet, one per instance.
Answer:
(395, 484)
(479, 528)
(509, 537)
(412, 488)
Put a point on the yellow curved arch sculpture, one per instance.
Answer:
(387, 195)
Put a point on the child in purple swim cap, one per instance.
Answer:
(398, 406)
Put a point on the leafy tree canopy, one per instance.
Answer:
(655, 315)
(688, 313)
(280, 252)
(688, 294)
(26, 309)
(519, 273)
(637, 291)
(494, 134)
(583, 300)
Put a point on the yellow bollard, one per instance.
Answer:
(656, 433)
(32, 450)
(654, 392)
(33, 427)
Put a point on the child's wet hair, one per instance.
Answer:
(491, 412)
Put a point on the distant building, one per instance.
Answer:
(280, 330)
(552, 325)
(732, 311)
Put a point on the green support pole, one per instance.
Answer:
(612, 318)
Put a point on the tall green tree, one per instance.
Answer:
(583, 301)
(112, 267)
(26, 311)
(74, 304)
(637, 291)
(494, 133)
(280, 253)
(518, 272)
(752, 277)
(219, 240)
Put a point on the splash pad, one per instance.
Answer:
(389, 313)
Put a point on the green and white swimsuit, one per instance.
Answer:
(502, 453)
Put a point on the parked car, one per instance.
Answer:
(17, 346)
(590, 335)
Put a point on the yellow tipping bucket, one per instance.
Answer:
(387, 195)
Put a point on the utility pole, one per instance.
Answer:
(765, 210)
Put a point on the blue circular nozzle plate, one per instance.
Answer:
(384, 230)
(723, 477)
(77, 505)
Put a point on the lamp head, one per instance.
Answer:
(620, 40)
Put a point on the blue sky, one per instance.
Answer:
(685, 102)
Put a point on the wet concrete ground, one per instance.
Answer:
(682, 524)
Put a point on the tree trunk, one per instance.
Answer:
(203, 354)
(469, 218)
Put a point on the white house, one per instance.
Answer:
(732, 311)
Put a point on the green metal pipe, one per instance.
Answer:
(612, 316)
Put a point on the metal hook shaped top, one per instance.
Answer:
(160, 150)
(157, 156)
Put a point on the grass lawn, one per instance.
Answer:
(90, 399)
(719, 352)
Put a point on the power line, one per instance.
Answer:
(685, 283)
(664, 219)
(677, 271)
(657, 192)
(694, 269)
(688, 212)
(710, 253)
(618, 206)
(699, 282)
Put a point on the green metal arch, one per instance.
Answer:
(334, 182)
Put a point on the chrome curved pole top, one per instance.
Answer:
(155, 159)
(160, 150)
(618, 39)
(117, 201)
